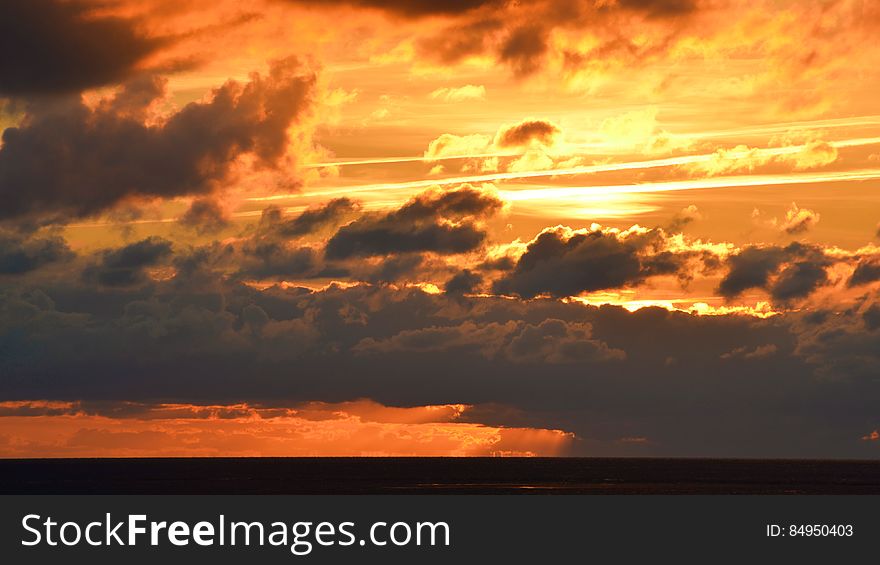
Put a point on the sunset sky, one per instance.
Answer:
(472, 227)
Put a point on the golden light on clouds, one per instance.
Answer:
(362, 428)
(330, 201)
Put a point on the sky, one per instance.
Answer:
(464, 228)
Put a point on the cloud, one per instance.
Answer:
(799, 280)
(460, 94)
(461, 40)
(310, 221)
(603, 370)
(526, 133)
(521, 35)
(407, 8)
(531, 137)
(395, 268)
(277, 260)
(798, 220)
(358, 428)
(23, 253)
(77, 161)
(684, 217)
(127, 265)
(867, 271)
(563, 262)
(439, 221)
(464, 282)
(524, 49)
(814, 154)
(742, 158)
(759, 352)
(551, 341)
(450, 145)
(759, 267)
(206, 216)
(58, 47)
(659, 8)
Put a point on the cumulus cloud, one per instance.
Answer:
(564, 262)
(788, 273)
(439, 221)
(798, 220)
(526, 133)
(309, 221)
(534, 139)
(77, 161)
(57, 47)
(450, 145)
(127, 266)
(463, 283)
(267, 259)
(867, 271)
(23, 253)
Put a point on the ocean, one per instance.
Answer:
(438, 476)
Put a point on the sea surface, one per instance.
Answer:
(437, 476)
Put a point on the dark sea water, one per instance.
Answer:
(437, 476)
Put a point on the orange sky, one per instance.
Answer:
(280, 141)
(746, 112)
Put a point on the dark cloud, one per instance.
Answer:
(871, 316)
(757, 267)
(524, 49)
(603, 372)
(527, 132)
(127, 265)
(461, 41)
(751, 268)
(409, 8)
(435, 221)
(312, 220)
(517, 33)
(550, 341)
(798, 280)
(560, 263)
(205, 216)
(867, 271)
(393, 269)
(20, 253)
(504, 263)
(659, 8)
(465, 282)
(67, 160)
(277, 260)
(57, 46)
